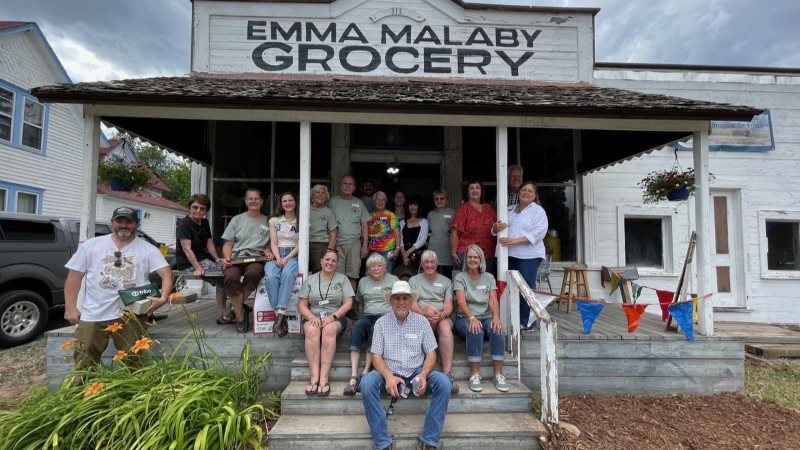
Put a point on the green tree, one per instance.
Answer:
(173, 170)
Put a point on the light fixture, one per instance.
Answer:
(394, 168)
(147, 214)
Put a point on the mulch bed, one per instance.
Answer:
(725, 421)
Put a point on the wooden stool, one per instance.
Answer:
(574, 284)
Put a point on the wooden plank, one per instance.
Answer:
(774, 350)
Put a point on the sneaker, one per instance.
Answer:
(423, 446)
(280, 311)
(500, 382)
(475, 383)
(453, 385)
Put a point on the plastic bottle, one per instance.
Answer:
(415, 385)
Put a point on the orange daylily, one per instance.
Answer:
(121, 354)
(114, 327)
(141, 344)
(68, 345)
(94, 389)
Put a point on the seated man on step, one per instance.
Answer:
(404, 355)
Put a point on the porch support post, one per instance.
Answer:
(705, 310)
(502, 197)
(91, 146)
(305, 194)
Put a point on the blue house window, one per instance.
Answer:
(20, 198)
(23, 120)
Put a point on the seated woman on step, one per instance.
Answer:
(479, 317)
(371, 305)
(324, 299)
(281, 272)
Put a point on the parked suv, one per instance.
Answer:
(33, 251)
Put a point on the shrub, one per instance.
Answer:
(132, 176)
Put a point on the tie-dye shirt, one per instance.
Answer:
(381, 231)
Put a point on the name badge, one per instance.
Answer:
(437, 285)
(355, 205)
(447, 216)
(376, 288)
(482, 287)
(323, 302)
(411, 336)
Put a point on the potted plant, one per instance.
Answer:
(121, 176)
(673, 185)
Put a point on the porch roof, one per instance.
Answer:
(409, 96)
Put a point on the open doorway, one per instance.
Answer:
(415, 179)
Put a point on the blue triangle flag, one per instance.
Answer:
(589, 312)
(682, 312)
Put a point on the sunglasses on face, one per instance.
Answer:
(117, 259)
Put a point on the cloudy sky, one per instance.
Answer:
(115, 39)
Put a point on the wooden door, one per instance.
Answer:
(726, 251)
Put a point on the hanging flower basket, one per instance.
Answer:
(672, 185)
(120, 176)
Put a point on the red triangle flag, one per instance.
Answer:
(501, 286)
(665, 298)
(634, 313)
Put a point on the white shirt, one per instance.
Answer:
(96, 259)
(531, 222)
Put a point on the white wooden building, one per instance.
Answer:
(40, 144)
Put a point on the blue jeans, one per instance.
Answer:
(362, 331)
(279, 281)
(528, 268)
(497, 342)
(373, 386)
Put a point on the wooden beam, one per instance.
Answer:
(705, 308)
(305, 194)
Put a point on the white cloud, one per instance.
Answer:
(84, 65)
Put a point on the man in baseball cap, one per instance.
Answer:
(124, 211)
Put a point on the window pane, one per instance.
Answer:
(24, 230)
(6, 102)
(644, 245)
(26, 203)
(34, 112)
(5, 127)
(783, 239)
(31, 136)
(3, 196)
(559, 204)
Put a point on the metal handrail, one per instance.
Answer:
(547, 339)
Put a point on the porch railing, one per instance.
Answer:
(509, 310)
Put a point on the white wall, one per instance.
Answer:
(767, 181)
(160, 225)
(59, 172)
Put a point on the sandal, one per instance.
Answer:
(352, 388)
(226, 318)
(322, 391)
(311, 389)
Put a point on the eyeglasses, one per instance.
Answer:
(117, 259)
(198, 208)
(253, 199)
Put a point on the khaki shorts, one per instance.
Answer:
(349, 259)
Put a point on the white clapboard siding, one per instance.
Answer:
(766, 180)
(160, 225)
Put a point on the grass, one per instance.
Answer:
(774, 383)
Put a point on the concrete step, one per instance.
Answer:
(508, 431)
(340, 369)
(516, 400)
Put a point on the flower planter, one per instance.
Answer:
(117, 185)
(678, 195)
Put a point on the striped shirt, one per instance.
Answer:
(403, 345)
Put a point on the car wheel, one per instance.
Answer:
(23, 316)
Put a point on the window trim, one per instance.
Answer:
(18, 119)
(667, 234)
(4, 197)
(13, 110)
(763, 244)
(25, 122)
(12, 189)
(16, 201)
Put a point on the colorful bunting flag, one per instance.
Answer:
(589, 312)
(636, 290)
(501, 287)
(615, 282)
(664, 298)
(682, 312)
(634, 314)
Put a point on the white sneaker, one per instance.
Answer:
(475, 383)
(500, 382)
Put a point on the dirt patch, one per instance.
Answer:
(21, 369)
(725, 421)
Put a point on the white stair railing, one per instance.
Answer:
(547, 340)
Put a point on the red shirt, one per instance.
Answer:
(475, 228)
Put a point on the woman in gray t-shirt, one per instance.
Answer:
(479, 317)
(324, 299)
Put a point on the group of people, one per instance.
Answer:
(407, 323)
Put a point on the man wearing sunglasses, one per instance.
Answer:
(109, 263)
